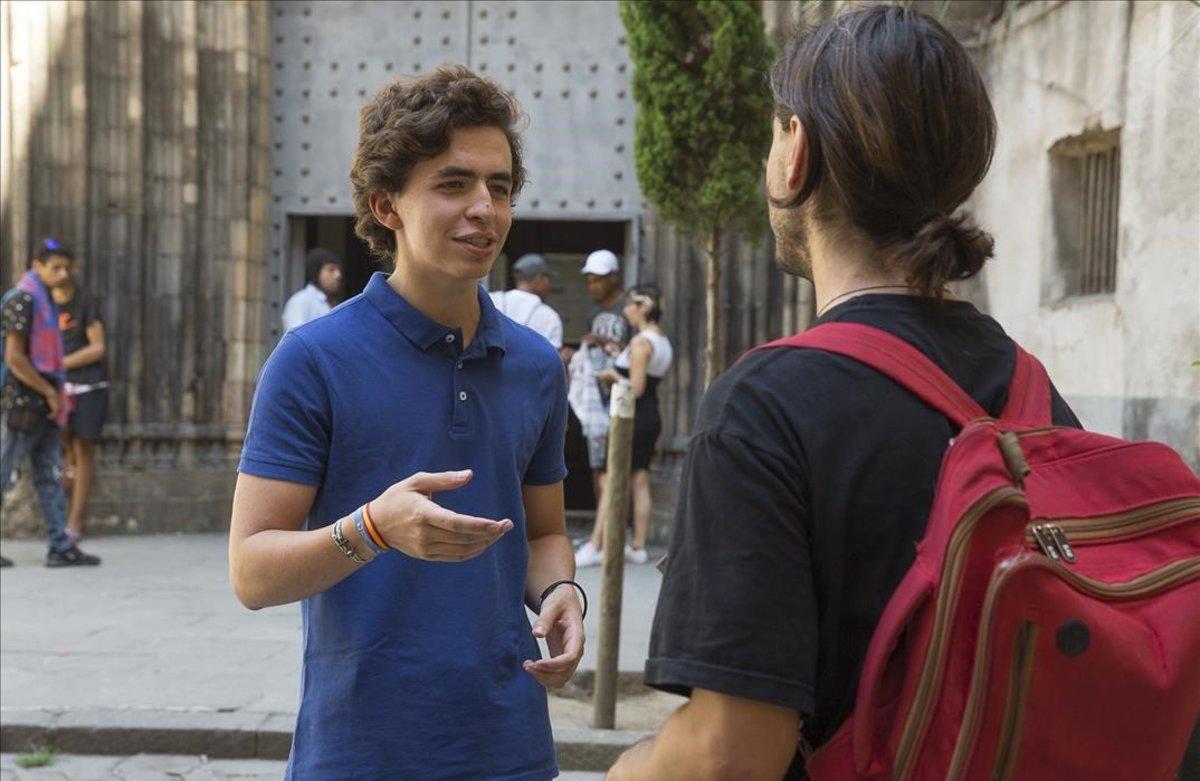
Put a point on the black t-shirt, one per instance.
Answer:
(806, 486)
(74, 317)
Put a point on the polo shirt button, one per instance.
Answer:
(449, 337)
(459, 365)
(462, 395)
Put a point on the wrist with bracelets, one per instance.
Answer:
(340, 540)
(367, 531)
(365, 528)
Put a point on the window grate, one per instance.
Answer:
(1102, 173)
(1086, 186)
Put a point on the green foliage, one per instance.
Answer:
(704, 121)
(38, 756)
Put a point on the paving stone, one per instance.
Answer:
(156, 767)
(150, 652)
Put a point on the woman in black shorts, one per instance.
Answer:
(644, 363)
(87, 385)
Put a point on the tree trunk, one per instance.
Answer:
(715, 349)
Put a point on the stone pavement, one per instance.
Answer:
(152, 653)
(151, 767)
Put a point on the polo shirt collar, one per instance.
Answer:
(423, 332)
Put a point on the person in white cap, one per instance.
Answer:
(526, 303)
(606, 338)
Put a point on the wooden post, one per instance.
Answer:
(616, 492)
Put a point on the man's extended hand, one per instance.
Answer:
(561, 624)
(413, 523)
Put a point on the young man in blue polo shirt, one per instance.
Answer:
(402, 472)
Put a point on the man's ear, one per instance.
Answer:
(384, 210)
(797, 162)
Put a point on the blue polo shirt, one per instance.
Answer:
(412, 669)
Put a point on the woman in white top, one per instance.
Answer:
(644, 363)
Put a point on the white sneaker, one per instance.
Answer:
(587, 555)
(636, 556)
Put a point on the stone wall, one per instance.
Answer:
(139, 133)
(1124, 360)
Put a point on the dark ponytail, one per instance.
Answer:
(900, 131)
(945, 249)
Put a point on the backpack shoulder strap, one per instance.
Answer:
(1028, 402)
(894, 358)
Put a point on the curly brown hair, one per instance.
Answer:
(411, 120)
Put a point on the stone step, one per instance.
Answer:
(241, 735)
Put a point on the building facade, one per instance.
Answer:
(139, 133)
(1094, 200)
(194, 150)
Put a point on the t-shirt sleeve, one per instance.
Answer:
(292, 317)
(554, 330)
(548, 464)
(737, 613)
(291, 418)
(17, 313)
(91, 311)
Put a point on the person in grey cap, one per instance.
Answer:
(526, 302)
(323, 278)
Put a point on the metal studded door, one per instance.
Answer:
(565, 61)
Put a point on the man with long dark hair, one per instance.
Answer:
(810, 476)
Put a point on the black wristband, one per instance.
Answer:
(555, 585)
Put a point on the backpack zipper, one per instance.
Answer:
(931, 671)
(1050, 535)
(1161, 579)
(1047, 537)
(1106, 527)
(1019, 679)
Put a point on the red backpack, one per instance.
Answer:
(1049, 627)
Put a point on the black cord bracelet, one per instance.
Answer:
(555, 585)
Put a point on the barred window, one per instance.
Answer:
(1085, 182)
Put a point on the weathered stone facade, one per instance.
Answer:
(139, 133)
(1125, 359)
(192, 150)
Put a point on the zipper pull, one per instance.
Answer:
(1064, 545)
(1045, 541)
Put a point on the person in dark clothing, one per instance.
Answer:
(809, 476)
(33, 402)
(87, 389)
(644, 362)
